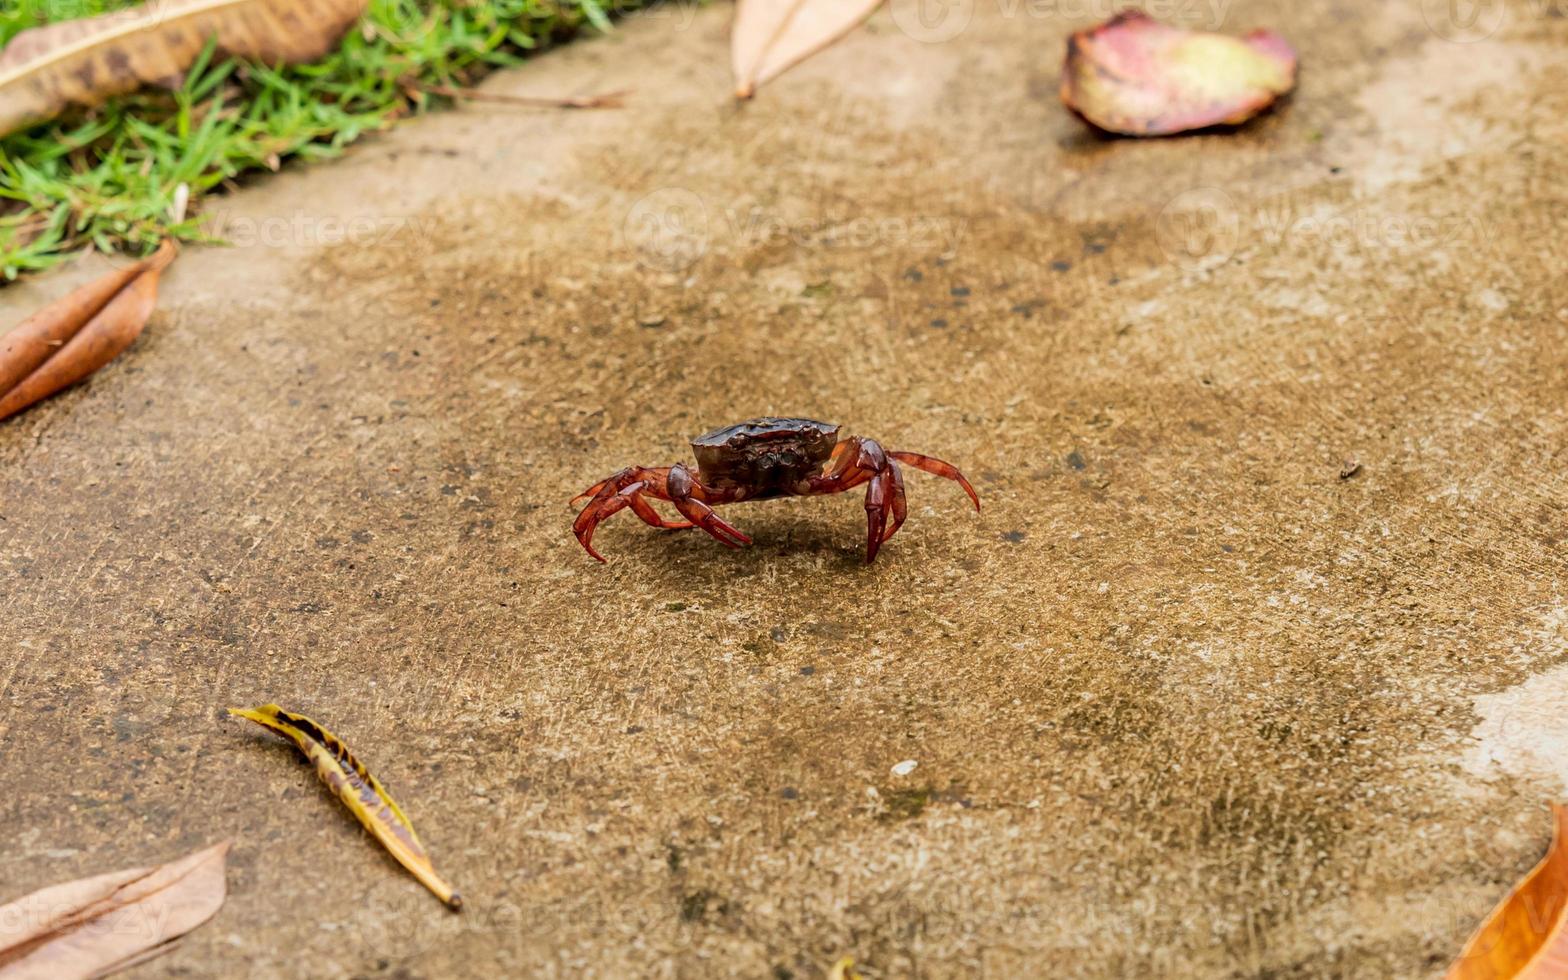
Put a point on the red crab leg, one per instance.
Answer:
(877, 495)
(653, 518)
(617, 491)
(900, 506)
(599, 510)
(653, 477)
(594, 490)
(854, 461)
(703, 516)
(936, 466)
(683, 490)
(610, 485)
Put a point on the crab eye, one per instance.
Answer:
(734, 441)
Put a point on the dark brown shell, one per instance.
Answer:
(766, 427)
(764, 454)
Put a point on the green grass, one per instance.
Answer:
(107, 178)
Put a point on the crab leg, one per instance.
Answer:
(593, 491)
(877, 498)
(684, 490)
(940, 468)
(610, 485)
(601, 509)
(860, 460)
(703, 516)
(653, 518)
(854, 461)
(900, 506)
(616, 492)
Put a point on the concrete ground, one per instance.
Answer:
(1189, 699)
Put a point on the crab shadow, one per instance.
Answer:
(672, 556)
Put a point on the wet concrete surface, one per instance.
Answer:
(1183, 700)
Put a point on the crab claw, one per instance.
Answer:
(703, 516)
(602, 508)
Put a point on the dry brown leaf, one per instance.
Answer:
(83, 62)
(76, 335)
(1526, 936)
(95, 926)
(1136, 76)
(771, 35)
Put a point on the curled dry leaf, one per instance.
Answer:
(771, 35)
(1526, 936)
(844, 969)
(95, 926)
(360, 791)
(76, 335)
(84, 62)
(1136, 76)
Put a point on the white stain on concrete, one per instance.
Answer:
(1524, 729)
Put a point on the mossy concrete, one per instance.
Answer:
(1269, 426)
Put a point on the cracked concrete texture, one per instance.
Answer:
(1183, 700)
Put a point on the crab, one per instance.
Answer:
(760, 459)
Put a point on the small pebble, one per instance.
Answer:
(905, 768)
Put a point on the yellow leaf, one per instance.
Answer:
(1526, 936)
(361, 792)
(772, 35)
(844, 969)
(94, 926)
(84, 62)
